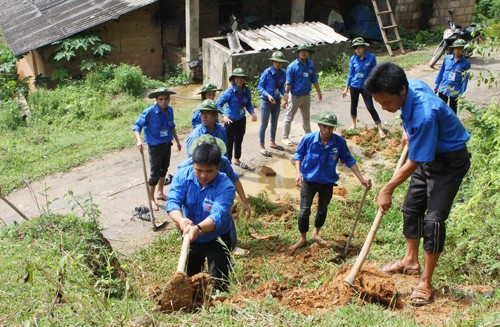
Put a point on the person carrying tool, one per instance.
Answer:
(360, 65)
(316, 163)
(199, 202)
(159, 132)
(237, 98)
(451, 81)
(207, 92)
(300, 77)
(437, 162)
(271, 86)
(208, 113)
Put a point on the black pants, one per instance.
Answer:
(159, 160)
(219, 260)
(453, 102)
(307, 193)
(433, 187)
(234, 136)
(367, 98)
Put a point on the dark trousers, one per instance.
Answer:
(367, 98)
(217, 254)
(433, 187)
(234, 136)
(453, 102)
(159, 160)
(307, 193)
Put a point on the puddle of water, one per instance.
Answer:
(186, 96)
(281, 184)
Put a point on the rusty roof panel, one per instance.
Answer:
(31, 24)
(275, 37)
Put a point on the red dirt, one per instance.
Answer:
(186, 293)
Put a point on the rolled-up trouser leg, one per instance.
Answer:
(159, 161)
(307, 193)
(325, 193)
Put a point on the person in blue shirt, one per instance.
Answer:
(437, 162)
(207, 92)
(360, 65)
(300, 77)
(316, 163)
(159, 132)
(236, 99)
(208, 114)
(199, 202)
(452, 78)
(271, 86)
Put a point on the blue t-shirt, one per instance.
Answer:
(272, 82)
(225, 167)
(453, 76)
(157, 125)
(301, 77)
(359, 70)
(196, 118)
(236, 102)
(219, 131)
(432, 127)
(319, 162)
(197, 202)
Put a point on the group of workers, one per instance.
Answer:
(203, 189)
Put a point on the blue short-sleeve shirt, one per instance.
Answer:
(197, 202)
(236, 102)
(359, 69)
(301, 77)
(219, 132)
(453, 76)
(432, 127)
(319, 162)
(158, 126)
(272, 82)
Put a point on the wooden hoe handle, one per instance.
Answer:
(371, 235)
(186, 242)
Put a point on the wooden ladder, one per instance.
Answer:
(383, 28)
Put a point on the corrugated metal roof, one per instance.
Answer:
(31, 24)
(275, 37)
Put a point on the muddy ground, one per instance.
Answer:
(116, 182)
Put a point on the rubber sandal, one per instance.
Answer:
(242, 165)
(277, 147)
(420, 296)
(240, 251)
(265, 153)
(168, 179)
(397, 267)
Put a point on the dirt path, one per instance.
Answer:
(116, 181)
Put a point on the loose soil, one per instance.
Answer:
(116, 181)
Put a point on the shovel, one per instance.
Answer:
(356, 220)
(155, 227)
(349, 280)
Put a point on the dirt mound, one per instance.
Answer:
(371, 144)
(186, 293)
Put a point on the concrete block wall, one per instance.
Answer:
(408, 12)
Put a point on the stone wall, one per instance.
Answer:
(421, 14)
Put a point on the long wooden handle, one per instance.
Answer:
(371, 235)
(13, 207)
(186, 242)
(356, 220)
(147, 188)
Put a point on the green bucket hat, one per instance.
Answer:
(160, 91)
(359, 41)
(238, 72)
(459, 43)
(208, 105)
(305, 46)
(210, 87)
(210, 139)
(278, 56)
(327, 119)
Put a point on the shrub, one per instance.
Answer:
(128, 79)
(11, 115)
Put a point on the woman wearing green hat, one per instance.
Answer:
(360, 65)
(236, 99)
(271, 86)
(452, 78)
(207, 92)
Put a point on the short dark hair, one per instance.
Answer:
(207, 154)
(386, 77)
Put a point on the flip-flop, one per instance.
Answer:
(242, 165)
(420, 296)
(168, 179)
(277, 147)
(240, 251)
(397, 267)
(265, 153)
